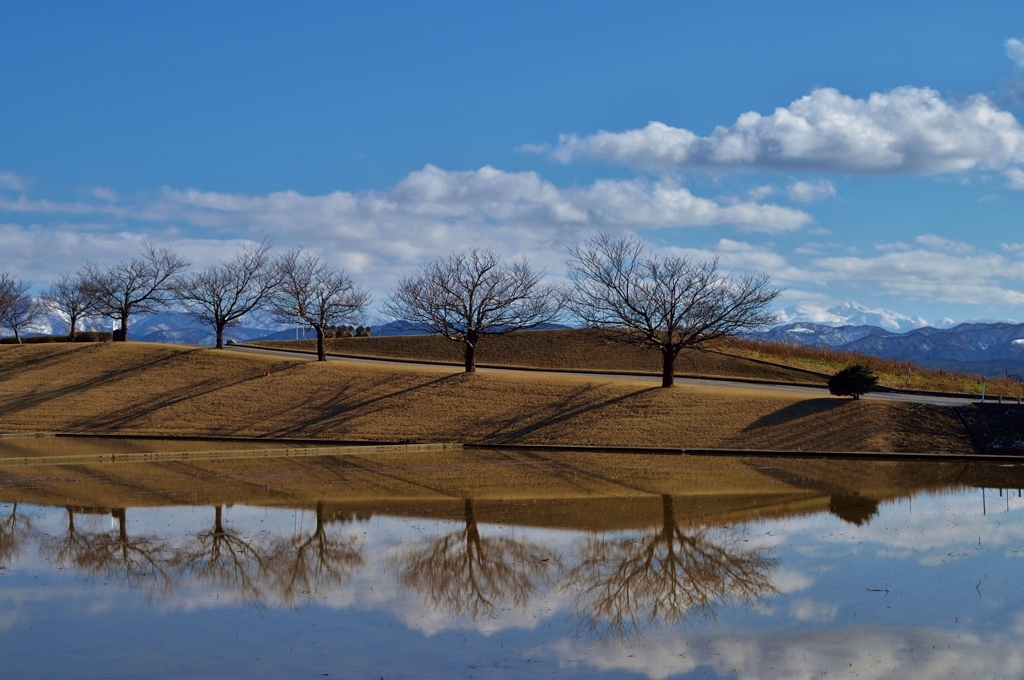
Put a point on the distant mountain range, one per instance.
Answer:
(986, 348)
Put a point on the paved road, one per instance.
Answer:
(735, 384)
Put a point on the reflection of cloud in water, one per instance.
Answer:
(789, 581)
(809, 609)
(924, 654)
(930, 529)
(16, 601)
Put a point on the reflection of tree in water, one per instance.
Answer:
(665, 576)
(14, 530)
(224, 559)
(305, 564)
(468, 575)
(136, 561)
(62, 549)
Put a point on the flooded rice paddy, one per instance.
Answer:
(511, 564)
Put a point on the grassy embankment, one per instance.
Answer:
(160, 389)
(583, 350)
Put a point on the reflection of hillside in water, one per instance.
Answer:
(558, 490)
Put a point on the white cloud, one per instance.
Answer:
(373, 234)
(905, 131)
(12, 181)
(434, 200)
(944, 245)
(806, 192)
(761, 192)
(1015, 51)
(930, 268)
(1015, 177)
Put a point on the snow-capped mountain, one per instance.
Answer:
(985, 348)
(854, 314)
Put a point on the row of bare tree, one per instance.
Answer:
(661, 302)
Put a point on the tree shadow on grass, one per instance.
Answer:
(110, 377)
(511, 429)
(802, 409)
(347, 403)
(20, 364)
(132, 413)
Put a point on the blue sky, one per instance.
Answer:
(883, 162)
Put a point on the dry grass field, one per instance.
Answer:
(160, 389)
(562, 350)
(585, 350)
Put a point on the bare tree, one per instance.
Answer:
(314, 293)
(665, 303)
(222, 294)
(466, 296)
(18, 309)
(143, 284)
(70, 296)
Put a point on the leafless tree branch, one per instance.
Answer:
(468, 295)
(143, 284)
(223, 294)
(312, 292)
(664, 303)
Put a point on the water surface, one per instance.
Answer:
(505, 564)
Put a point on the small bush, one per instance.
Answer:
(853, 381)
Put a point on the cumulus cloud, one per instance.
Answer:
(908, 130)
(436, 199)
(806, 192)
(1015, 51)
(373, 234)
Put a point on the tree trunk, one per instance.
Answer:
(668, 367)
(17, 336)
(470, 341)
(74, 328)
(121, 334)
(321, 353)
(220, 336)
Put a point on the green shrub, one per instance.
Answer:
(853, 381)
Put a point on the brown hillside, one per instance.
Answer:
(563, 350)
(159, 389)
